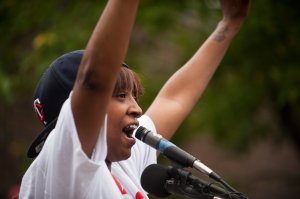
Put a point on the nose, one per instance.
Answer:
(134, 109)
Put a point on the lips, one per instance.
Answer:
(129, 129)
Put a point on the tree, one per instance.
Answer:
(254, 94)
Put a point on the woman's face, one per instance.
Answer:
(123, 112)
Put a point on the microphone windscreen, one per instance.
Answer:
(140, 132)
(153, 180)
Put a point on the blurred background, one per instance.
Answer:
(245, 127)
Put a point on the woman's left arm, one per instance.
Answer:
(183, 90)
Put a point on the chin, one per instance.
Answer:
(124, 156)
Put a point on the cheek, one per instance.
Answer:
(114, 132)
(113, 141)
(114, 106)
(115, 120)
(115, 116)
(114, 125)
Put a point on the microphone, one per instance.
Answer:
(153, 180)
(179, 156)
(173, 152)
(161, 182)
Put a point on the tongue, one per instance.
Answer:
(127, 132)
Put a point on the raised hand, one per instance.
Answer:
(234, 11)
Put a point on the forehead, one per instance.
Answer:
(128, 80)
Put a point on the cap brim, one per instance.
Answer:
(39, 141)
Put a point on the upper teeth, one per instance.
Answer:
(130, 127)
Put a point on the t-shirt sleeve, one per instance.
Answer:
(68, 145)
(63, 162)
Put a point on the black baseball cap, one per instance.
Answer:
(51, 92)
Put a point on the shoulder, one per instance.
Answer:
(147, 122)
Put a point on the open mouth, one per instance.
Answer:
(128, 130)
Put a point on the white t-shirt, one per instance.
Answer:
(62, 169)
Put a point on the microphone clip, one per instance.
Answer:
(182, 183)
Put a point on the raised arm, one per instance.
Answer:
(182, 91)
(99, 68)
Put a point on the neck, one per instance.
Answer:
(108, 164)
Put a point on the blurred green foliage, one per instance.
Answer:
(255, 92)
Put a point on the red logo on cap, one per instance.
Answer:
(39, 110)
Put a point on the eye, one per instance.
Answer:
(121, 95)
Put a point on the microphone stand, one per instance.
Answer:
(184, 184)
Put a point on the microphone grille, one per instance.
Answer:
(140, 133)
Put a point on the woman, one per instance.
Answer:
(91, 152)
